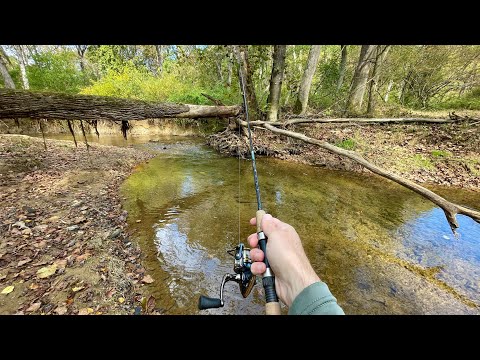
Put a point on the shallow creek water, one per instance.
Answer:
(381, 248)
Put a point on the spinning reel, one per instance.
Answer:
(243, 276)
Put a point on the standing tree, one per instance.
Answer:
(379, 58)
(241, 52)
(306, 83)
(22, 60)
(276, 81)
(360, 79)
(343, 66)
(158, 48)
(81, 49)
(7, 79)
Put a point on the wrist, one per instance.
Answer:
(305, 278)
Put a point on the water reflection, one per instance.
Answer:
(368, 238)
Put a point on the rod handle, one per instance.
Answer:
(259, 217)
(272, 308)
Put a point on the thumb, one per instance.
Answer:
(268, 224)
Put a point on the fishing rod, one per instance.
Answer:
(242, 263)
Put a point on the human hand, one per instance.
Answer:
(292, 269)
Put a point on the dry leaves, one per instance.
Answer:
(34, 307)
(23, 262)
(147, 279)
(61, 310)
(8, 289)
(46, 271)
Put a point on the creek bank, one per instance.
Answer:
(64, 243)
(440, 154)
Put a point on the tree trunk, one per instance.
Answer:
(81, 54)
(242, 57)
(306, 83)
(158, 48)
(389, 88)
(20, 104)
(343, 67)
(218, 63)
(276, 79)
(380, 54)
(7, 79)
(230, 66)
(23, 65)
(360, 78)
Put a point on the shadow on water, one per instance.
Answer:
(381, 248)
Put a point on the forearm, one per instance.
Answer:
(315, 299)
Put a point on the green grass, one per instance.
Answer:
(441, 153)
(421, 162)
(347, 144)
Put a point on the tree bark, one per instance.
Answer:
(389, 88)
(359, 121)
(276, 79)
(360, 78)
(81, 49)
(19, 104)
(381, 53)
(7, 79)
(23, 65)
(230, 66)
(343, 67)
(242, 57)
(306, 83)
(450, 209)
(158, 48)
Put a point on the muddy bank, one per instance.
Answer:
(64, 245)
(441, 154)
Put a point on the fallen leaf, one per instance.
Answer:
(47, 271)
(139, 221)
(34, 307)
(8, 289)
(23, 262)
(61, 264)
(78, 288)
(89, 310)
(147, 279)
(69, 301)
(61, 310)
(83, 311)
(150, 304)
(121, 300)
(110, 293)
(33, 286)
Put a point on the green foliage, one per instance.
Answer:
(347, 144)
(135, 83)
(56, 71)
(441, 153)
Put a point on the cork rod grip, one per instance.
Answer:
(259, 217)
(272, 308)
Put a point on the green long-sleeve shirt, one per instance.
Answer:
(315, 299)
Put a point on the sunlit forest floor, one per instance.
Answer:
(64, 245)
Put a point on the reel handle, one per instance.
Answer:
(209, 303)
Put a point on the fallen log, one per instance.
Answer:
(354, 120)
(450, 209)
(39, 105)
